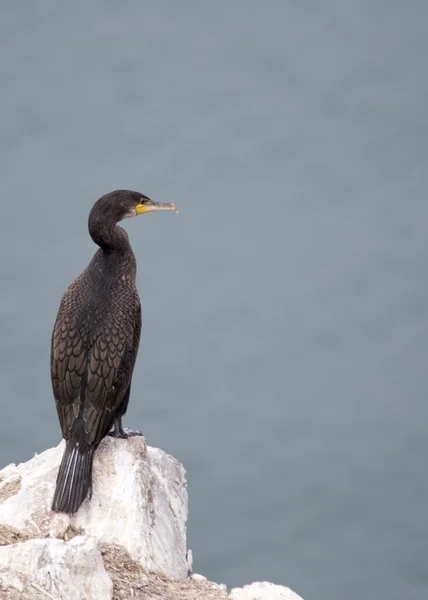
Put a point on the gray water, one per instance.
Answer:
(284, 350)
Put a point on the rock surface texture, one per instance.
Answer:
(73, 569)
(128, 541)
(263, 591)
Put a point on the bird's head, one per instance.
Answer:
(122, 204)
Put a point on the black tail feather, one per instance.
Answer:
(74, 477)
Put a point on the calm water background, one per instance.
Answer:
(284, 351)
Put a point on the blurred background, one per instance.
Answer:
(284, 349)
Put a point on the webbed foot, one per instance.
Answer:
(132, 432)
(117, 431)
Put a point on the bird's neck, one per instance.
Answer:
(109, 236)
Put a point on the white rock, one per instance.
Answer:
(219, 586)
(199, 577)
(139, 501)
(189, 561)
(263, 591)
(138, 513)
(55, 569)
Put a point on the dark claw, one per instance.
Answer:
(115, 433)
(118, 431)
(132, 432)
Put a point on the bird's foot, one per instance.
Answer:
(132, 432)
(118, 431)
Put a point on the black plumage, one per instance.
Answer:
(95, 343)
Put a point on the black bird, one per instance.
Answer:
(95, 343)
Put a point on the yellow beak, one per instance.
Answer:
(150, 206)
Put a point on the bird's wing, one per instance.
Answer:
(68, 366)
(93, 364)
(110, 365)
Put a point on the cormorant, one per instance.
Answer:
(95, 343)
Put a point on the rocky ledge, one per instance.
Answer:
(128, 541)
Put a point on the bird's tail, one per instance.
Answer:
(74, 477)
